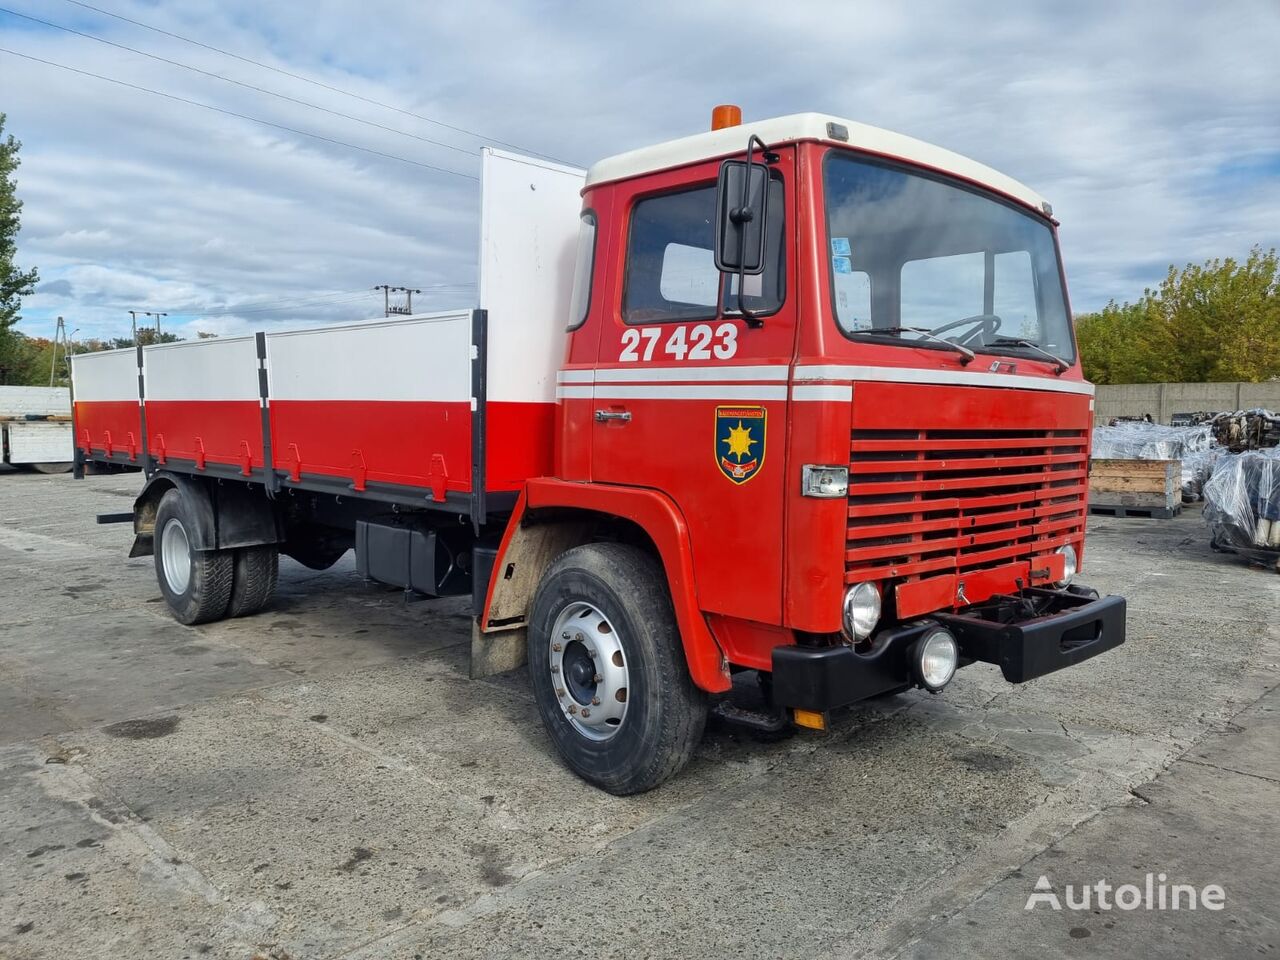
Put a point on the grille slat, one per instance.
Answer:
(929, 501)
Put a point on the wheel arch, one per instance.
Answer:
(226, 514)
(552, 516)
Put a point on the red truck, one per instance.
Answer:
(798, 397)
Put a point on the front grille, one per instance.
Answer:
(923, 502)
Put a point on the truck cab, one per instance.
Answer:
(845, 360)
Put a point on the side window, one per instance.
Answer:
(671, 271)
(583, 268)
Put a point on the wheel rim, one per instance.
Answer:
(589, 671)
(175, 556)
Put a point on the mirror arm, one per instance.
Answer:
(744, 214)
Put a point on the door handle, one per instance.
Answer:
(604, 416)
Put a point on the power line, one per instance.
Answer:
(265, 306)
(238, 83)
(323, 300)
(239, 116)
(318, 83)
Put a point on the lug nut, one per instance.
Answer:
(559, 691)
(595, 701)
(555, 647)
(565, 635)
(586, 712)
(573, 708)
(555, 669)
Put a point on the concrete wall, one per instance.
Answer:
(1163, 400)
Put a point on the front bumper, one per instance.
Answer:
(1027, 636)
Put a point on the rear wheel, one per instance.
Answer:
(608, 669)
(60, 467)
(196, 583)
(253, 579)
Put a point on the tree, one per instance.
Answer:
(1216, 321)
(14, 283)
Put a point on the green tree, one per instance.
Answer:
(14, 283)
(1216, 321)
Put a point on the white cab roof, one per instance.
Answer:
(806, 126)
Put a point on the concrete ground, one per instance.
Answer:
(323, 780)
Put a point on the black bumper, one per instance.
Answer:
(1027, 636)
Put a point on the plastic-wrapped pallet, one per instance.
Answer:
(1242, 504)
(1148, 441)
(1154, 441)
(1197, 468)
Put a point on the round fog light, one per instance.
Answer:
(861, 611)
(1070, 565)
(936, 659)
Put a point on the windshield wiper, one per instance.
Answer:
(967, 355)
(1059, 365)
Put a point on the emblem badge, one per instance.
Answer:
(740, 441)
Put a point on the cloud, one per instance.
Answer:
(1151, 128)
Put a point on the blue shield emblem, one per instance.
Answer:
(740, 441)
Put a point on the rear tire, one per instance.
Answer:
(196, 583)
(607, 603)
(253, 580)
(60, 467)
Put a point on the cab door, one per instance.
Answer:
(691, 398)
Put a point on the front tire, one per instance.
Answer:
(608, 669)
(196, 583)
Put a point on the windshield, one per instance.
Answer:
(911, 251)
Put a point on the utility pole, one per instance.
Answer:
(59, 336)
(133, 314)
(388, 309)
(133, 331)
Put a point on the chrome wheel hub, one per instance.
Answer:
(175, 556)
(589, 671)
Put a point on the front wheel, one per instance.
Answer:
(608, 669)
(196, 583)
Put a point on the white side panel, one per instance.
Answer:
(426, 357)
(40, 442)
(107, 376)
(528, 237)
(35, 401)
(214, 369)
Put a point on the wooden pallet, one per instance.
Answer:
(1136, 488)
(1122, 510)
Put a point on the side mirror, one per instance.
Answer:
(742, 198)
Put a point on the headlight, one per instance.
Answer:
(936, 657)
(861, 611)
(1071, 564)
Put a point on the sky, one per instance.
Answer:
(1152, 127)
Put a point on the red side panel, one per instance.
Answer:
(107, 426)
(401, 442)
(216, 431)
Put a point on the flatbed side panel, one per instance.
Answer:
(202, 402)
(107, 406)
(375, 402)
